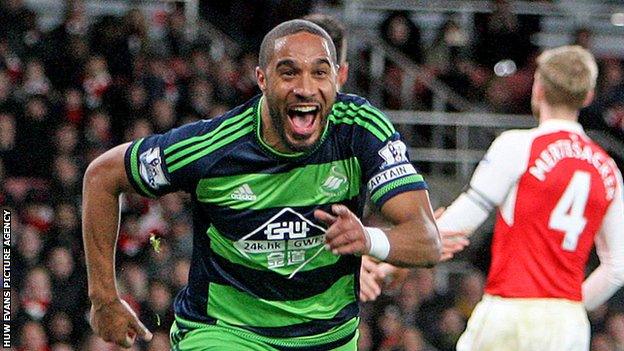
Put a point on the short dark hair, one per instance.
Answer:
(336, 32)
(289, 28)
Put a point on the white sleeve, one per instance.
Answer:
(496, 174)
(609, 276)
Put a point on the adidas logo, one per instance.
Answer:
(243, 193)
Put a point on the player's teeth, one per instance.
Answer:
(304, 109)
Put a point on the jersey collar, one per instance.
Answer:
(266, 147)
(562, 124)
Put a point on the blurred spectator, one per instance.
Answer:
(33, 338)
(60, 328)
(180, 273)
(615, 328)
(582, 37)
(61, 346)
(98, 132)
(8, 102)
(161, 262)
(391, 326)
(28, 253)
(399, 31)
(451, 326)
(449, 45)
(365, 341)
(469, 293)
(96, 81)
(66, 229)
(35, 81)
(499, 36)
(182, 237)
(36, 295)
(602, 342)
(66, 139)
(135, 283)
(157, 311)
(431, 303)
(34, 138)
(66, 178)
(8, 144)
(177, 39)
(200, 97)
(413, 341)
(163, 115)
(66, 287)
(73, 107)
(71, 34)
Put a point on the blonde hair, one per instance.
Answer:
(568, 74)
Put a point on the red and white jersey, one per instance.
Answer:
(554, 190)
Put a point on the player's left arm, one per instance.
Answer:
(414, 238)
(412, 241)
(603, 282)
(494, 177)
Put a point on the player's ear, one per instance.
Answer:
(261, 79)
(589, 98)
(343, 73)
(538, 88)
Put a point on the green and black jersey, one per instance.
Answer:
(258, 259)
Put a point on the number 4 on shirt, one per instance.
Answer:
(568, 214)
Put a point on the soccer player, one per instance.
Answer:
(281, 181)
(556, 193)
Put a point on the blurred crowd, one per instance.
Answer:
(70, 93)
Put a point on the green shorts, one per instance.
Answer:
(192, 336)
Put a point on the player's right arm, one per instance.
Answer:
(603, 282)
(111, 317)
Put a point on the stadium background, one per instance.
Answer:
(79, 77)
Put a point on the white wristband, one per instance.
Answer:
(379, 244)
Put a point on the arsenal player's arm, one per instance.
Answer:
(609, 276)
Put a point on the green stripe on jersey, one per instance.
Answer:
(235, 307)
(375, 116)
(315, 184)
(258, 254)
(364, 116)
(329, 336)
(395, 184)
(134, 168)
(225, 129)
(241, 130)
(171, 150)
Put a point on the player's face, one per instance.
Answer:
(300, 88)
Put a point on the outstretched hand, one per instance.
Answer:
(373, 276)
(345, 234)
(452, 241)
(116, 322)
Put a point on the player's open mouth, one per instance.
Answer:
(302, 118)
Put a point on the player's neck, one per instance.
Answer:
(548, 112)
(268, 131)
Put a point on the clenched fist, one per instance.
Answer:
(116, 322)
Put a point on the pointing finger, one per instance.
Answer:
(341, 210)
(141, 330)
(325, 217)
